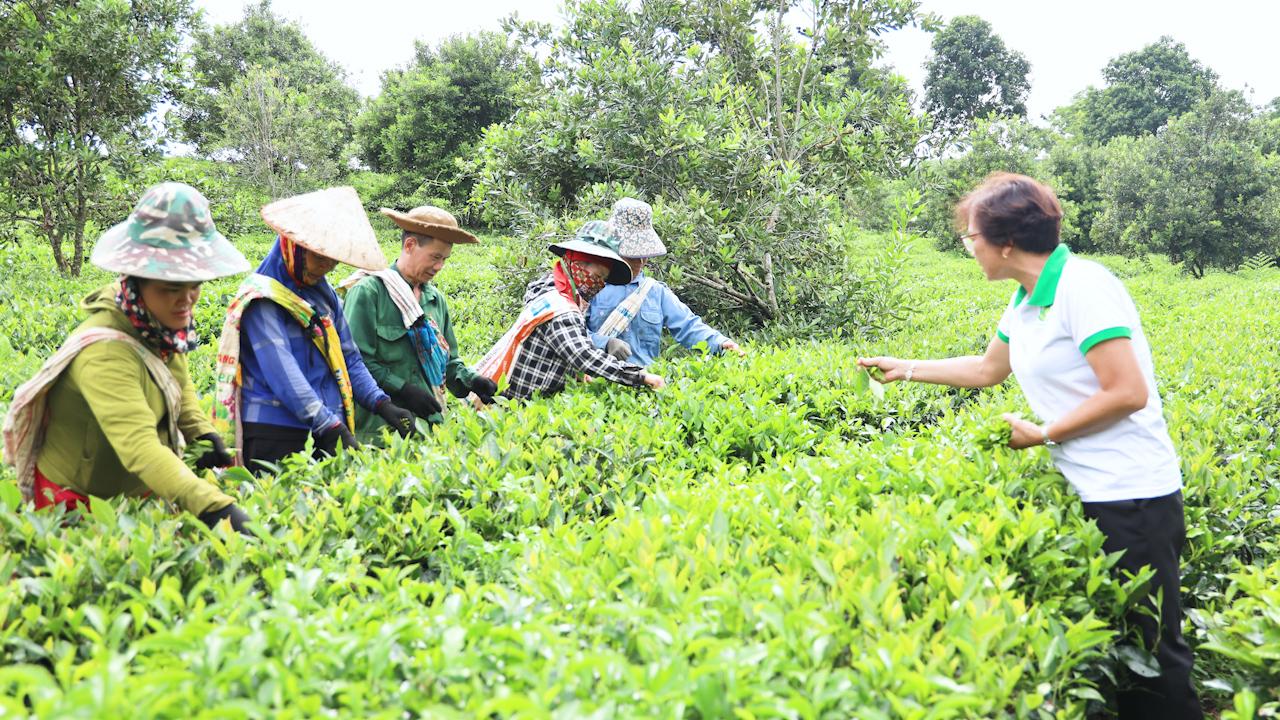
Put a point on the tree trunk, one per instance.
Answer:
(77, 259)
(772, 296)
(748, 299)
(82, 216)
(55, 244)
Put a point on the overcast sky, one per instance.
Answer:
(1067, 43)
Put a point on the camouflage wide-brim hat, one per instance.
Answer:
(593, 239)
(632, 223)
(169, 236)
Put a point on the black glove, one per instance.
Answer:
(327, 441)
(618, 348)
(217, 456)
(239, 518)
(418, 400)
(484, 388)
(398, 418)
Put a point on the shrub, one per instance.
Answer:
(740, 133)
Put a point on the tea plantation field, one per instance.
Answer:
(768, 537)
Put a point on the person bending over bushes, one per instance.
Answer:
(550, 339)
(288, 369)
(628, 320)
(401, 323)
(109, 413)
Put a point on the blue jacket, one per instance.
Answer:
(661, 308)
(286, 380)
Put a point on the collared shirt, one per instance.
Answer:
(1075, 305)
(559, 346)
(661, 308)
(379, 332)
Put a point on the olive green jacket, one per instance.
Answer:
(108, 422)
(379, 332)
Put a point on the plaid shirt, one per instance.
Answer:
(558, 346)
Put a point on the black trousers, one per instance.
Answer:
(1151, 531)
(272, 443)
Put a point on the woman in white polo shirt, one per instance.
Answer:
(1072, 337)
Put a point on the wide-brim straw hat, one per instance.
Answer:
(632, 223)
(330, 222)
(591, 242)
(432, 222)
(169, 236)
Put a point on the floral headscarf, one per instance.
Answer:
(155, 335)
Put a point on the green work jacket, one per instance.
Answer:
(388, 352)
(108, 421)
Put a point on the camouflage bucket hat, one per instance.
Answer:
(632, 223)
(593, 239)
(597, 232)
(169, 236)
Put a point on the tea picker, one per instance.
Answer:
(110, 412)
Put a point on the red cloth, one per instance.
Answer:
(49, 493)
(562, 282)
(583, 285)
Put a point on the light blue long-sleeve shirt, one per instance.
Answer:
(661, 308)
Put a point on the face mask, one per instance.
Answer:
(587, 285)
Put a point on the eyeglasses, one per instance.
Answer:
(967, 241)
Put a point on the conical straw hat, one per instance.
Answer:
(331, 222)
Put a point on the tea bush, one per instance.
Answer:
(769, 536)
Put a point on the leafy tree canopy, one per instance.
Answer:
(1144, 90)
(1200, 192)
(225, 56)
(434, 111)
(972, 74)
(78, 82)
(740, 130)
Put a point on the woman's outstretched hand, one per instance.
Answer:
(891, 369)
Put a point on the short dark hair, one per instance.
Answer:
(1012, 209)
(418, 237)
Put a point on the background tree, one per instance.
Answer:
(1268, 122)
(972, 74)
(434, 111)
(78, 81)
(1076, 161)
(289, 68)
(739, 130)
(277, 136)
(1200, 192)
(994, 144)
(1144, 90)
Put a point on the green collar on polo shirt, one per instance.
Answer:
(1047, 286)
